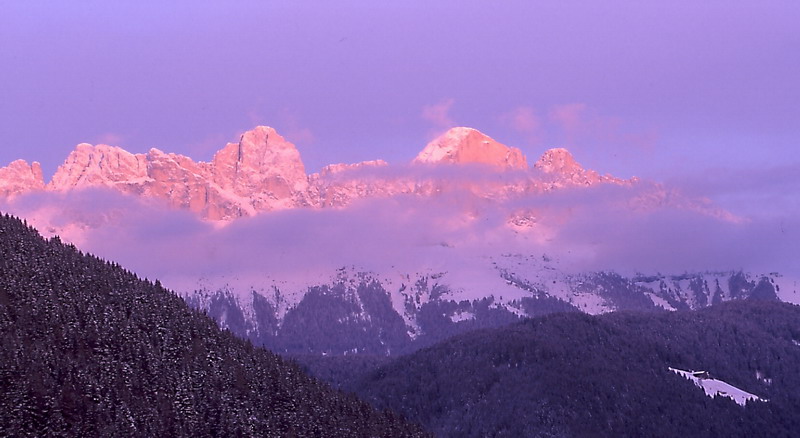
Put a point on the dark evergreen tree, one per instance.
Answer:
(89, 349)
(573, 374)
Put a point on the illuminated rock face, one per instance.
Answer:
(467, 146)
(264, 172)
(263, 167)
(20, 177)
(337, 185)
(559, 168)
(101, 165)
(261, 172)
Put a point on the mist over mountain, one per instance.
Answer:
(509, 219)
(464, 188)
(386, 258)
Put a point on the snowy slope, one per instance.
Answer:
(715, 387)
(440, 287)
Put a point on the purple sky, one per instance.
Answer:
(655, 89)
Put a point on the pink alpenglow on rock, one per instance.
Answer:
(264, 167)
(20, 177)
(467, 145)
(560, 166)
(264, 172)
(100, 166)
(261, 172)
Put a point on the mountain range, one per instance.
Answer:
(264, 172)
(372, 258)
(90, 349)
(376, 277)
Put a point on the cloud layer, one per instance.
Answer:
(588, 229)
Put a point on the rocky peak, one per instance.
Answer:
(558, 160)
(263, 149)
(20, 177)
(561, 169)
(263, 162)
(467, 145)
(100, 165)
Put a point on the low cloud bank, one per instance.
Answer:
(588, 228)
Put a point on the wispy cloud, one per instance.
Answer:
(766, 192)
(111, 139)
(581, 128)
(438, 115)
(525, 120)
(293, 128)
(570, 117)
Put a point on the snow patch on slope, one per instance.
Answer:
(660, 302)
(715, 387)
(787, 288)
(462, 316)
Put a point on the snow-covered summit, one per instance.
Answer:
(468, 145)
(264, 167)
(261, 160)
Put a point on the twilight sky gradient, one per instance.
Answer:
(656, 89)
(702, 96)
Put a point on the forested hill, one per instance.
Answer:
(89, 349)
(578, 375)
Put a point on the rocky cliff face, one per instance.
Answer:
(20, 177)
(261, 172)
(184, 184)
(264, 172)
(101, 165)
(263, 168)
(337, 185)
(559, 169)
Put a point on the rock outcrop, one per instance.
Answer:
(560, 169)
(101, 165)
(19, 177)
(261, 172)
(264, 168)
